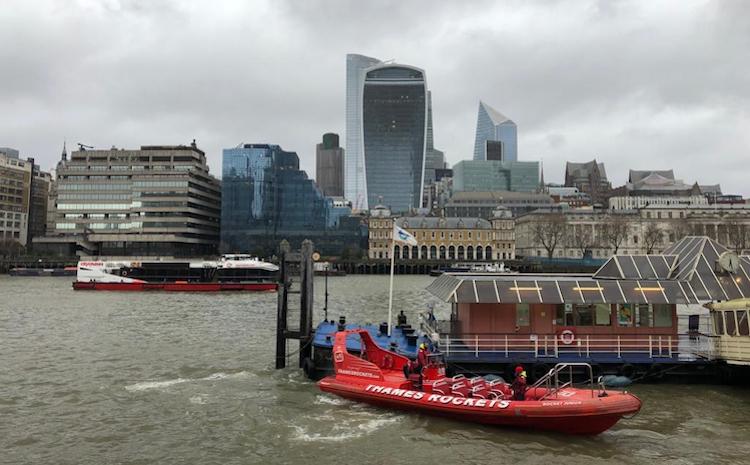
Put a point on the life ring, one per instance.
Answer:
(124, 273)
(567, 337)
(387, 362)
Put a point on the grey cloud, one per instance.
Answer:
(636, 84)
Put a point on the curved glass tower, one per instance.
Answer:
(394, 123)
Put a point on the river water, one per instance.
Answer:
(141, 378)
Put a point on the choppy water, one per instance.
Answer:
(97, 377)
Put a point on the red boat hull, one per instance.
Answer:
(578, 413)
(175, 287)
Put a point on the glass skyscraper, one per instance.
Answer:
(496, 175)
(386, 139)
(394, 121)
(266, 198)
(494, 126)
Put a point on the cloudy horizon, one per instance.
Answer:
(636, 85)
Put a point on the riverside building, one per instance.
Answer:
(154, 201)
(443, 238)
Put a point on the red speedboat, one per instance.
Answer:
(377, 377)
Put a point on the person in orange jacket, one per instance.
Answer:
(519, 384)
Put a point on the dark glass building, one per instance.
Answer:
(266, 198)
(394, 109)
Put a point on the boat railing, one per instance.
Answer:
(652, 346)
(554, 384)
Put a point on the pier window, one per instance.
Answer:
(731, 323)
(626, 315)
(522, 314)
(719, 322)
(743, 328)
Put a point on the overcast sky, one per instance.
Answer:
(643, 85)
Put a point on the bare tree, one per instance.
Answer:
(549, 230)
(581, 238)
(737, 233)
(680, 229)
(652, 235)
(615, 231)
(10, 248)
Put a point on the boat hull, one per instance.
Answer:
(175, 287)
(572, 412)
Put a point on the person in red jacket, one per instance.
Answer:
(519, 384)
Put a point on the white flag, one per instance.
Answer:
(403, 236)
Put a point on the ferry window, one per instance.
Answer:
(719, 323)
(731, 323)
(602, 314)
(522, 314)
(743, 329)
(583, 315)
(643, 315)
(564, 315)
(626, 315)
(662, 316)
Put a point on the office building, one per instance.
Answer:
(434, 158)
(266, 198)
(496, 136)
(154, 201)
(329, 166)
(493, 175)
(385, 160)
(482, 204)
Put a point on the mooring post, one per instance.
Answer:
(281, 309)
(306, 301)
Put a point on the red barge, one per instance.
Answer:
(230, 273)
(377, 377)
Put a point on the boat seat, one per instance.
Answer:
(500, 388)
(483, 392)
(462, 388)
(441, 387)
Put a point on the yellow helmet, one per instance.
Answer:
(423, 346)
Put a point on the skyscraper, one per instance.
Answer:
(394, 123)
(354, 171)
(329, 166)
(493, 127)
(386, 133)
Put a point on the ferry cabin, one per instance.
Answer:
(623, 318)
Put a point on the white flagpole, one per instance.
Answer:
(390, 291)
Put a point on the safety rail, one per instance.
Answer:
(553, 346)
(554, 375)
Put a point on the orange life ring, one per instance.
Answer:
(567, 337)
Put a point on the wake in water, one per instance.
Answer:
(341, 432)
(148, 385)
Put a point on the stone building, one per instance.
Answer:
(15, 189)
(441, 238)
(570, 233)
(589, 177)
